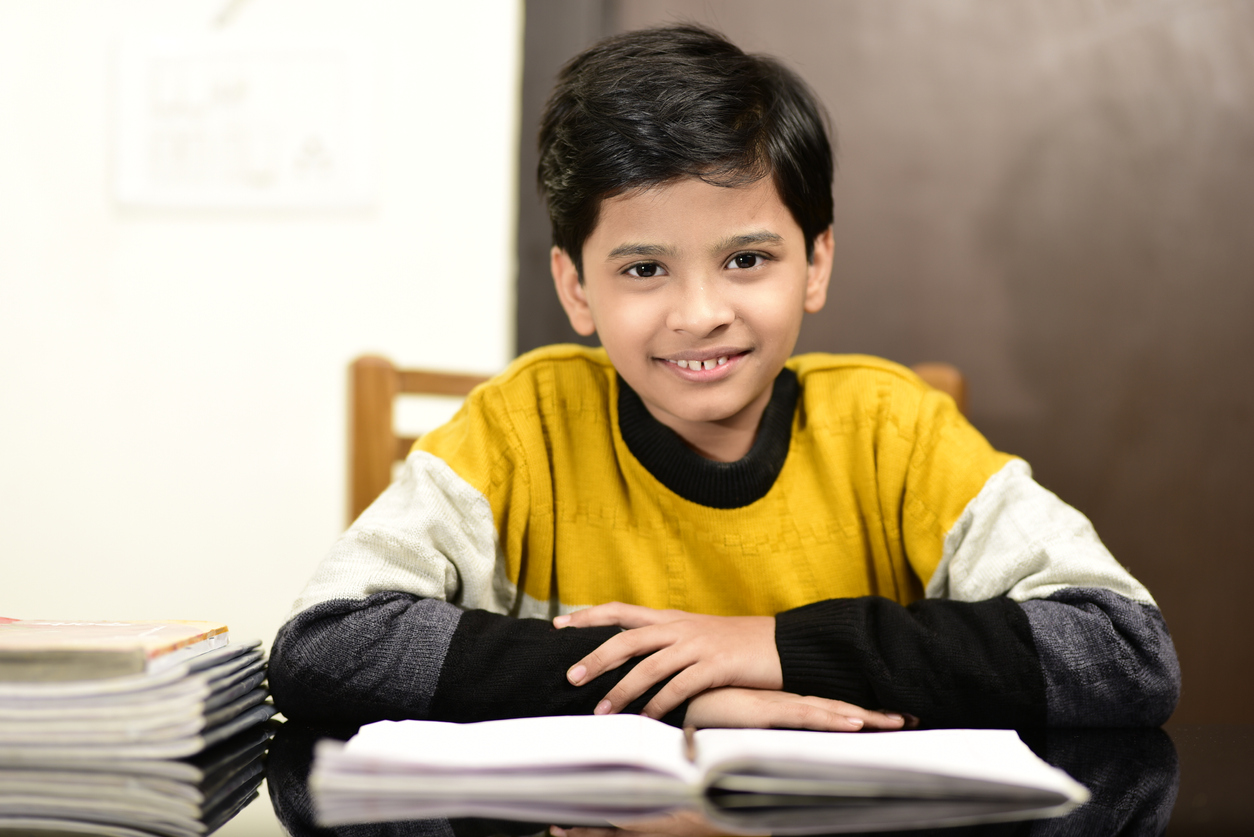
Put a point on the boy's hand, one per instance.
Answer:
(682, 823)
(756, 708)
(733, 707)
(703, 652)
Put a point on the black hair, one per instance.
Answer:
(648, 107)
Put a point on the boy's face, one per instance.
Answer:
(697, 292)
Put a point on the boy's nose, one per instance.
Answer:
(701, 309)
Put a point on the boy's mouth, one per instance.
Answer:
(700, 364)
(705, 366)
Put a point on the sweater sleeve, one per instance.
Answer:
(412, 616)
(1028, 620)
(394, 656)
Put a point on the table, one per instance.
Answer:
(1190, 779)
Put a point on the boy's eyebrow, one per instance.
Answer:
(748, 240)
(640, 250)
(730, 243)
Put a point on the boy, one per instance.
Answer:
(798, 542)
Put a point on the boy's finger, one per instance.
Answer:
(615, 651)
(611, 613)
(878, 722)
(873, 719)
(664, 702)
(589, 617)
(638, 681)
(689, 683)
(887, 720)
(803, 715)
(583, 831)
(870, 718)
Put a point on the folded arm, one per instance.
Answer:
(408, 617)
(1028, 621)
(394, 656)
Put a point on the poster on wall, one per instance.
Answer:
(234, 123)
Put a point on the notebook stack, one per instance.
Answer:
(130, 729)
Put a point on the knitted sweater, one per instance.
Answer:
(909, 565)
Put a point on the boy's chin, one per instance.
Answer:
(693, 414)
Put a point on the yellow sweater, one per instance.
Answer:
(878, 469)
(554, 488)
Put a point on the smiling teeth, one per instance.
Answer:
(699, 364)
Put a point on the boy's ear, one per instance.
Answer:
(819, 272)
(571, 291)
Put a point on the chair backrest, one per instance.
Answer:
(375, 383)
(947, 379)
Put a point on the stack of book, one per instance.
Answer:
(128, 728)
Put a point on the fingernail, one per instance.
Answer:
(856, 723)
(603, 708)
(894, 717)
(561, 621)
(575, 675)
(557, 832)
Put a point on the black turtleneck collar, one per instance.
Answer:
(719, 485)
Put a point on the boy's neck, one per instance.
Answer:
(719, 485)
(726, 440)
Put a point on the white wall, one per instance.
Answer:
(172, 381)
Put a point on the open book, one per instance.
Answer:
(590, 770)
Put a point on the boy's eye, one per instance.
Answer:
(744, 261)
(645, 270)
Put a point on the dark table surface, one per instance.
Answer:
(1181, 780)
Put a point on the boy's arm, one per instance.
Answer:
(394, 655)
(1028, 620)
(374, 636)
(376, 633)
(1085, 658)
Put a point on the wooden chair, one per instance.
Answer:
(375, 385)
(947, 379)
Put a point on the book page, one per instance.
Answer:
(133, 688)
(924, 761)
(152, 637)
(51, 651)
(526, 744)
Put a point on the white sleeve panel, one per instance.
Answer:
(1017, 539)
(430, 534)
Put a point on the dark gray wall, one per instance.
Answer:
(554, 31)
(1059, 198)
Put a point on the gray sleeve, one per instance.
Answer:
(1107, 661)
(394, 656)
(355, 660)
(1104, 650)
